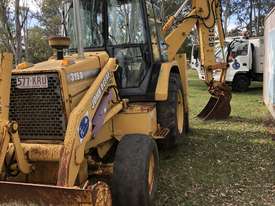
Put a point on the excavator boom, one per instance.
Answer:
(206, 16)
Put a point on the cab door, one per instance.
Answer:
(133, 39)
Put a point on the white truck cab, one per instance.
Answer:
(245, 57)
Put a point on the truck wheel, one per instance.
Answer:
(171, 113)
(135, 171)
(240, 83)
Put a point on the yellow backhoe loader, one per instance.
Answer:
(80, 128)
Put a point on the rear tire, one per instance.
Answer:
(168, 116)
(241, 83)
(135, 171)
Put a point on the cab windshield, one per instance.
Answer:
(91, 14)
(125, 22)
(125, 25)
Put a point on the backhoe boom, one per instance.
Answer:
(206, 16)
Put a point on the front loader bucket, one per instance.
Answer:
(43, 195)
(217, 108)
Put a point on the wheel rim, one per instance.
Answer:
(151, 174)
(180, 112)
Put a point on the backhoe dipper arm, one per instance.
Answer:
(205, 14)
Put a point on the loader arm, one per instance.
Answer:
(72, 153)
(9, 130)
(206, 16)
(76, 140)
(5, 79)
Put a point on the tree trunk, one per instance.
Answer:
(226, 17)
(18, 34)
(26, 43)
(259, 17)
(251, 18)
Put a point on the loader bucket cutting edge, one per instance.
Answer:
(44, 195)
(216, 109)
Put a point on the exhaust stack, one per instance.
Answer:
(78, 30)
(59, 44)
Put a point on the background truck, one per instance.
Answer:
(245, 57)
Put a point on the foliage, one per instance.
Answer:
(251, 13)
(38, 45)
(13, 17)
(50, 16)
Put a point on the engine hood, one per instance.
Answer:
(92, 61)
(70, 78)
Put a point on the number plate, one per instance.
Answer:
(32, 82)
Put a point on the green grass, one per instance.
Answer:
(221, 163)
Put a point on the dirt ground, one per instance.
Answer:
(222, 163)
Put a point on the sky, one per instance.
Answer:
(32, 4)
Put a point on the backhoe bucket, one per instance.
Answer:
(217, 108)
(43, 195)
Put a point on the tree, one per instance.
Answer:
(251, 13)
(38, 45)
(50, 16)
(228, 11)
(12, 20)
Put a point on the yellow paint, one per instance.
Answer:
(5, 82)
(161, 93)
(177, 37)
(137, 119)
(24, 65)
(67, 62)
(182, 62)
(23, 164)
(73, 147)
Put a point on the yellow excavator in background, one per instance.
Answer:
(96, 112)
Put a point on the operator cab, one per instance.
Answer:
(129, 31)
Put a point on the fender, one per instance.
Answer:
(161, 93)
(179, 66)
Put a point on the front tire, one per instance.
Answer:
(171, 113)
(135, 171)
